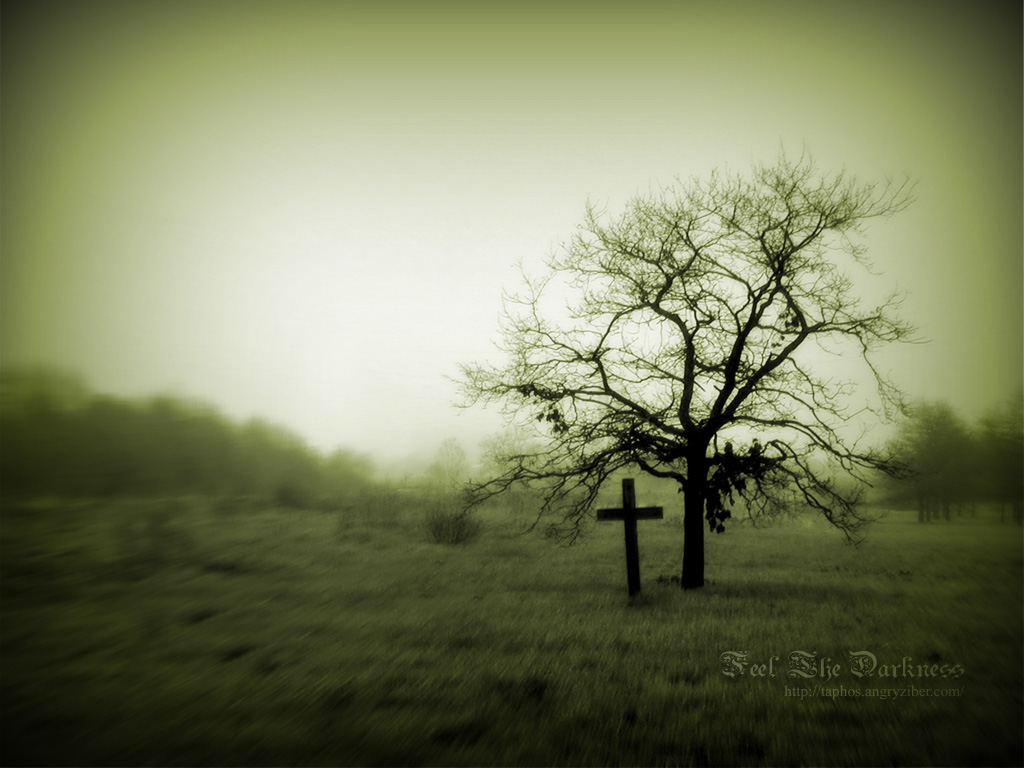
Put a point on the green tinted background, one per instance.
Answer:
(309, 210)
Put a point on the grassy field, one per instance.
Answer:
(193, 632)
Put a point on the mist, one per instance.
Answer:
(311, 214)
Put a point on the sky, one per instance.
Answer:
(309, 211)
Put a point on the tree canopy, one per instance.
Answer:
(685, 339)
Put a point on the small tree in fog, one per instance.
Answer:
(517, 498)
(668, 338)
(449, 469)
(448, 520)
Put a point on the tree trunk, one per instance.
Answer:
(694, 522)
(922, 514)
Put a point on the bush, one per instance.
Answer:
(449, 523)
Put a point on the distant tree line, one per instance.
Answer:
(58, 438)
(956, 466)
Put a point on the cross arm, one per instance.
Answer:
(639, 513)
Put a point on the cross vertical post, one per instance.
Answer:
(632, 544)
(629, 514)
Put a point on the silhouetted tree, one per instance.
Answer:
(938, 449)
(665, 339)
(1002, 452)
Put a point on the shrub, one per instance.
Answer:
(447, 522)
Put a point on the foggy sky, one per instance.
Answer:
(309, 210)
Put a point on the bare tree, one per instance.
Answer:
(683, 339)
(450, 468)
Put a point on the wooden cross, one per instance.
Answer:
(629, 514)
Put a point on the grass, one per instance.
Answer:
(185, 632)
